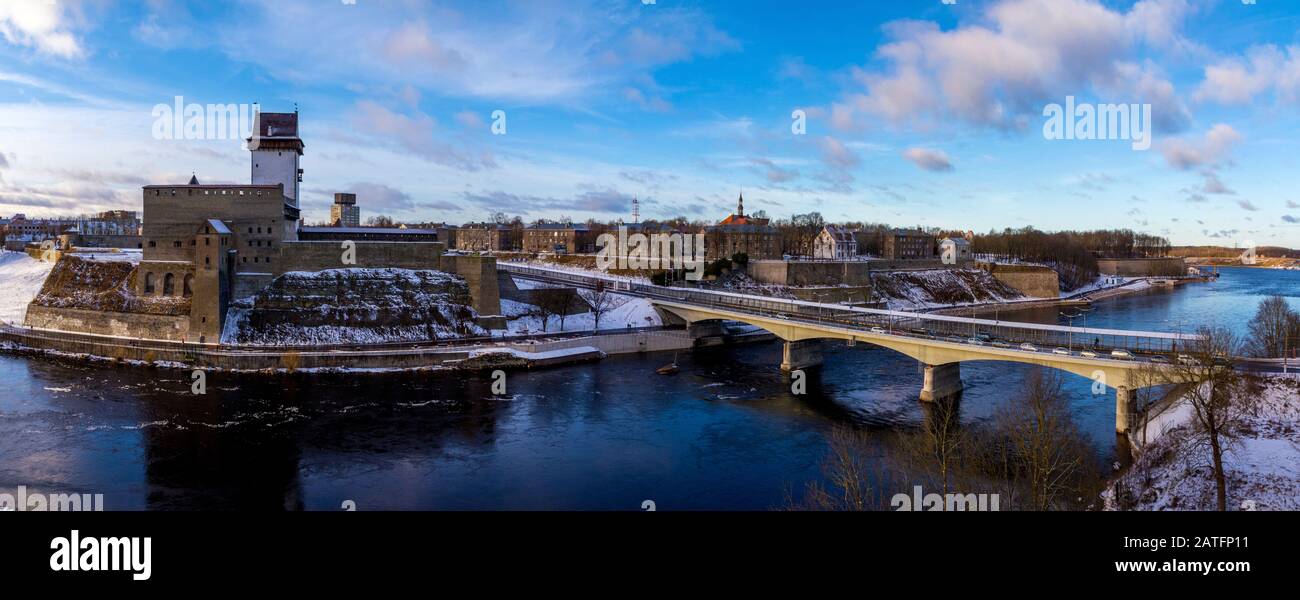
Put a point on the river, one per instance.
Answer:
(725, 433)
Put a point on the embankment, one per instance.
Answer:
(531, 353)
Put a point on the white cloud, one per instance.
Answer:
(560, 51)
(998, 72)
(1239, 79)
(930, 160)
(1182, 153)
(836, 154)
(40, 25)
(417, 133)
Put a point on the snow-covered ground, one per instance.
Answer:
(1263, 465)
(133, 256)
(522, 318)
(940, 288)
(21, 277)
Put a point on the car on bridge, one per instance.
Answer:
(877, 330)
(1118, 354)
(975, 341)
(1061, 351)
(1087, 354)
(1001, 344)
(1028, 347)
(1184, 359)
(1160, 359)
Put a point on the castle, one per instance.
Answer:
(204, 245)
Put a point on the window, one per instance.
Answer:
(207, 260)
(245, 258)
(169, 285)
(148, 283)
(153, 244)
(176, 244)
(187, 287)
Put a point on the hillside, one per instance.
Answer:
(354, 306)
(929, 289)
(104, 285)
(21, 277)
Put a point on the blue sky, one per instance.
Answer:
(918, 112)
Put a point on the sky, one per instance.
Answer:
(915, 112)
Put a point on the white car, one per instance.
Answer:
(1184, 359)
(1027, 347)
(1121, 354)
(1061, 351)
(877, 330)
(975, 342)
(1087, 354)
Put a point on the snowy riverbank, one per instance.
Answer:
(22, 277)
(1262, 465)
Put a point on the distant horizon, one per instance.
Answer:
(979, 115)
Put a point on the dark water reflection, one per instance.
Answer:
(725, 433)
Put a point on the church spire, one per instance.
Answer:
(740, 206)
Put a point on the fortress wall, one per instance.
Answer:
(130, 325)
(1031, 280)
(1143, 267)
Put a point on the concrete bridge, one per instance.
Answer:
(940, 342)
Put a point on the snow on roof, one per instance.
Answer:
(218, 227)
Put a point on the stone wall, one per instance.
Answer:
(1143, 267)
(107, 241)
(129, 325)
(322, 255)
(1031, 280)
(815, 273)
(480, 272)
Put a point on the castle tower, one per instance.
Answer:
(276, 149)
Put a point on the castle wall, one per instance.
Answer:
(1031, 280)
(322, 255)
(1142, 267)
(255, 215)
(129, 325)
(480, 272)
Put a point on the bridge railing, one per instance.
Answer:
(899, 322)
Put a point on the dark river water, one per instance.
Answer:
(725, 433)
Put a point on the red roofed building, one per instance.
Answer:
(741, 234)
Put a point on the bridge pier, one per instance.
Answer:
(801, 355)
(1125, 410)
(941, 381)
(706, 333)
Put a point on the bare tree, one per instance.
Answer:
(1273, 329)
(935, 449)
(1219, 397)
(1043, 447)
(849, 469)
(602, 301)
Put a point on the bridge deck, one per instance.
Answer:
(947, 328)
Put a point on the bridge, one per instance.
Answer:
(940, 342)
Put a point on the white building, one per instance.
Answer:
(276, 150)
(954, 250)
(835, 243)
